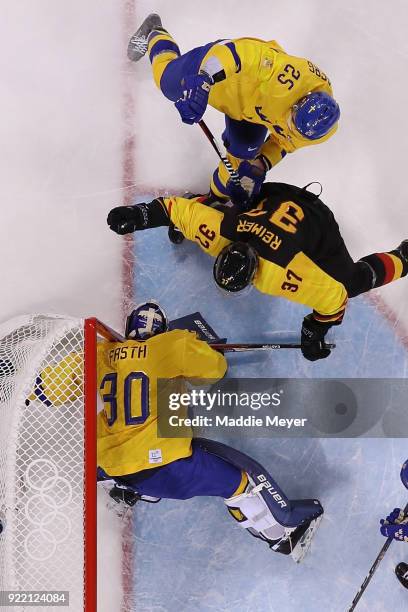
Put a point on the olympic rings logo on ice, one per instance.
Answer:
(44, 509)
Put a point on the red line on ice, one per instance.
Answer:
(128, 281)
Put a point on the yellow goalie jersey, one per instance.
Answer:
(127, 382)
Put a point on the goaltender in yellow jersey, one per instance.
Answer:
(127, 380)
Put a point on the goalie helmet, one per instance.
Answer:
(315, 115)
(235, 267)
(146, 320)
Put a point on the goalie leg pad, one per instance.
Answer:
(289, 513)
(251, 512)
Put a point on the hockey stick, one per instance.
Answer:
(239, 348)
(373, 568)
(218, 149)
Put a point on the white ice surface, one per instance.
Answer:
(188, 554)
(62, 129)
(61, 133)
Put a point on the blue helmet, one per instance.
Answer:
(404, 474)
(146, 320)
(315, 114)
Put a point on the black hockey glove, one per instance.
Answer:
(312, 339)
(127, 219)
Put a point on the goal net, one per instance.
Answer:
(48, 458)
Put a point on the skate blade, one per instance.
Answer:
(302, 547)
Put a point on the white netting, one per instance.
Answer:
(42, 456)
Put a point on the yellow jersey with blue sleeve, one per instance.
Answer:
(253, 80)
(259, 82)
(60, 383)
(127, 380)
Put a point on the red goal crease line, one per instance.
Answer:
(128, 267)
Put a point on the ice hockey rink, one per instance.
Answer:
(84, 130)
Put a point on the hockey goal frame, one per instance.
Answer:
(93, 328)
(28, 344)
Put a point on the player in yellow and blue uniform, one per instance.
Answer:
(396, 526)
(289, 245)
(144, 466)
(60, 383)
(127, 379)
(274, 103)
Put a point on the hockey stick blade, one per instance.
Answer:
(303, 546)
(373, 568)
(247, 346)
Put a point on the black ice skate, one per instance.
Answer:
(137, 46)
(401, 572)
(298, 542)
(124, 495)
(403, 250)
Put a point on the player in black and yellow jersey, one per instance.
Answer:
(274, 103)
(289, 245)
(146, 466)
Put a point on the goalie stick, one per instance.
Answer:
(373, 568)
(196, 322)
(247, 346)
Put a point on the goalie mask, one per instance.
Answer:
(235, 267)
(146, 320)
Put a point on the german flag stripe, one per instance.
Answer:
(338, 316)
(392, 267)
(399, 268)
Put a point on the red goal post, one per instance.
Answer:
(48, 406)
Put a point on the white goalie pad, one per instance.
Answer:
(250, 510)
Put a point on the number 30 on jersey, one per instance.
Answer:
(135, 407)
